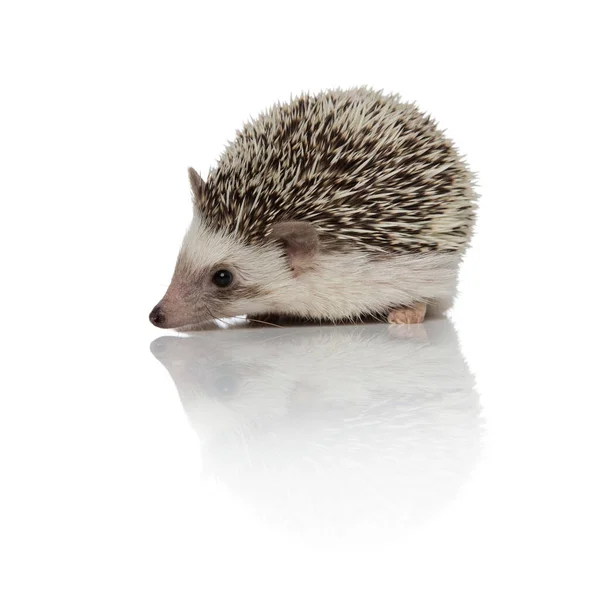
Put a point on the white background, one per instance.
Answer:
(108, 492)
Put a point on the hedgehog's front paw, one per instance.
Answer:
(408, 315)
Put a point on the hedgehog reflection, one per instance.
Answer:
(346, 429)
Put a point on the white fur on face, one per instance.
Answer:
(254, 268)
(339, 285)
(205, 248)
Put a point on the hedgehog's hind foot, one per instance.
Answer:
(408, 315)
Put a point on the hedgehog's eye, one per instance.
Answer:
(222, 278)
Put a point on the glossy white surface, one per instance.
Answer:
(454, 460)
(305, 461)
(332, 433)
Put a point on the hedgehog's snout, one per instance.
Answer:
(157, 316)
(176, 309)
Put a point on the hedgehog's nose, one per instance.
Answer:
(157, 316)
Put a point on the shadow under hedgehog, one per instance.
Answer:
(331, 207)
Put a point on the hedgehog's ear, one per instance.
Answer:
(198, 186)
(301, 243)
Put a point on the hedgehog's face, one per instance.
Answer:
(217, 276)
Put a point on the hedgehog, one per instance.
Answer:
(336, 206)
